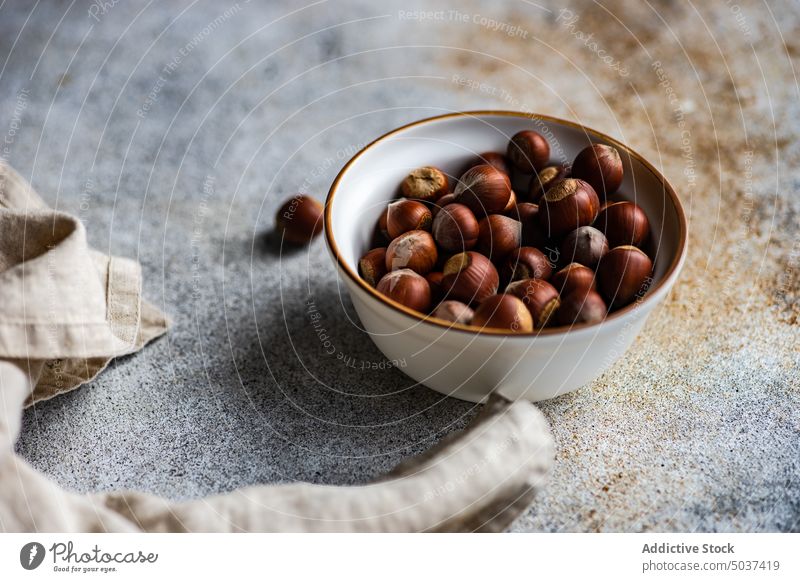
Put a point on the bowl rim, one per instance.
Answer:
(650, 296)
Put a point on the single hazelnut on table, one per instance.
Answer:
(526, 263)
(623, 275)
(498, 235)
(434, 279)
(455, 228)
(574, 277)
(545, 179)
(372, 266)
(300, 219)
(568, 205)
(407, 288)
(528, 151)
(405, 215)
(539, 296)
(624, 223)
(600, 166)
(441, 203)
(454, 311)
(427, 183)
(470, 277)
(484, 189)
(413, 250)
(503, 312)
(582, 307)
(585, 245)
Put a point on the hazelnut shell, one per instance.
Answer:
(300, 219)
(470, 277)
(427, 183)
(623, 275)
(405, 215)
(415, 250)
(503, 312)
(484, 189)
(372, 266)
(624, 223)
(455, 228)
(600, 166)
(407, 288)
(528, 151)
(499, 235)
(568, 205)
(539, 296)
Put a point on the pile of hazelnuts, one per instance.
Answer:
(557, 250)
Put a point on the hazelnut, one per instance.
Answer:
(585, 245)
(526, 263)
(382, 228)
(442, 202)
(582, 307)
(546, 178)
(568, 205)
(499, 235)
(539, 296)
(405, 215)
(372, 266)
(470, 277)
(623, 274)
(624, 223)
(426, 183)
(484, 189)
(511, 208)
(408, 288)
(413, 250)
(494, 159)
(300, 219)
(572, 278)
(455, 228)
(528, 151)
(434, 279)
(600, 166)
(454, 311)
(503, 312)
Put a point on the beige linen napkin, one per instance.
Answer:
(67, 310)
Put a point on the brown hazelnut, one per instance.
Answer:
(572, 278)
(300, 219)
(585, 245)
(372, 266)
(484, 189)
(381, 228)
(624, 274)
(427, 183)
(528, 151)
(582, 307)
(539, 296)
(413, 250)
(569, 204)
(408, 288)
(600, 166)
(624, 223)
(543, 180)
(503, 312)
(511, 208)
(405, 215)
(499, 235)
(434, 279)
(494, 159)
(442, 202)
(455, 228)
(526, 263)
(470, 277)
(454, 311)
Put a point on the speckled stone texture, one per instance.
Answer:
(175, 130)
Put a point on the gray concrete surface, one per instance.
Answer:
(174, 131)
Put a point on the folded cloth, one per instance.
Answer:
(67, 310)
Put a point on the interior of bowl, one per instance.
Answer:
(371, 179)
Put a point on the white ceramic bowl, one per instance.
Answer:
(461, 361)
